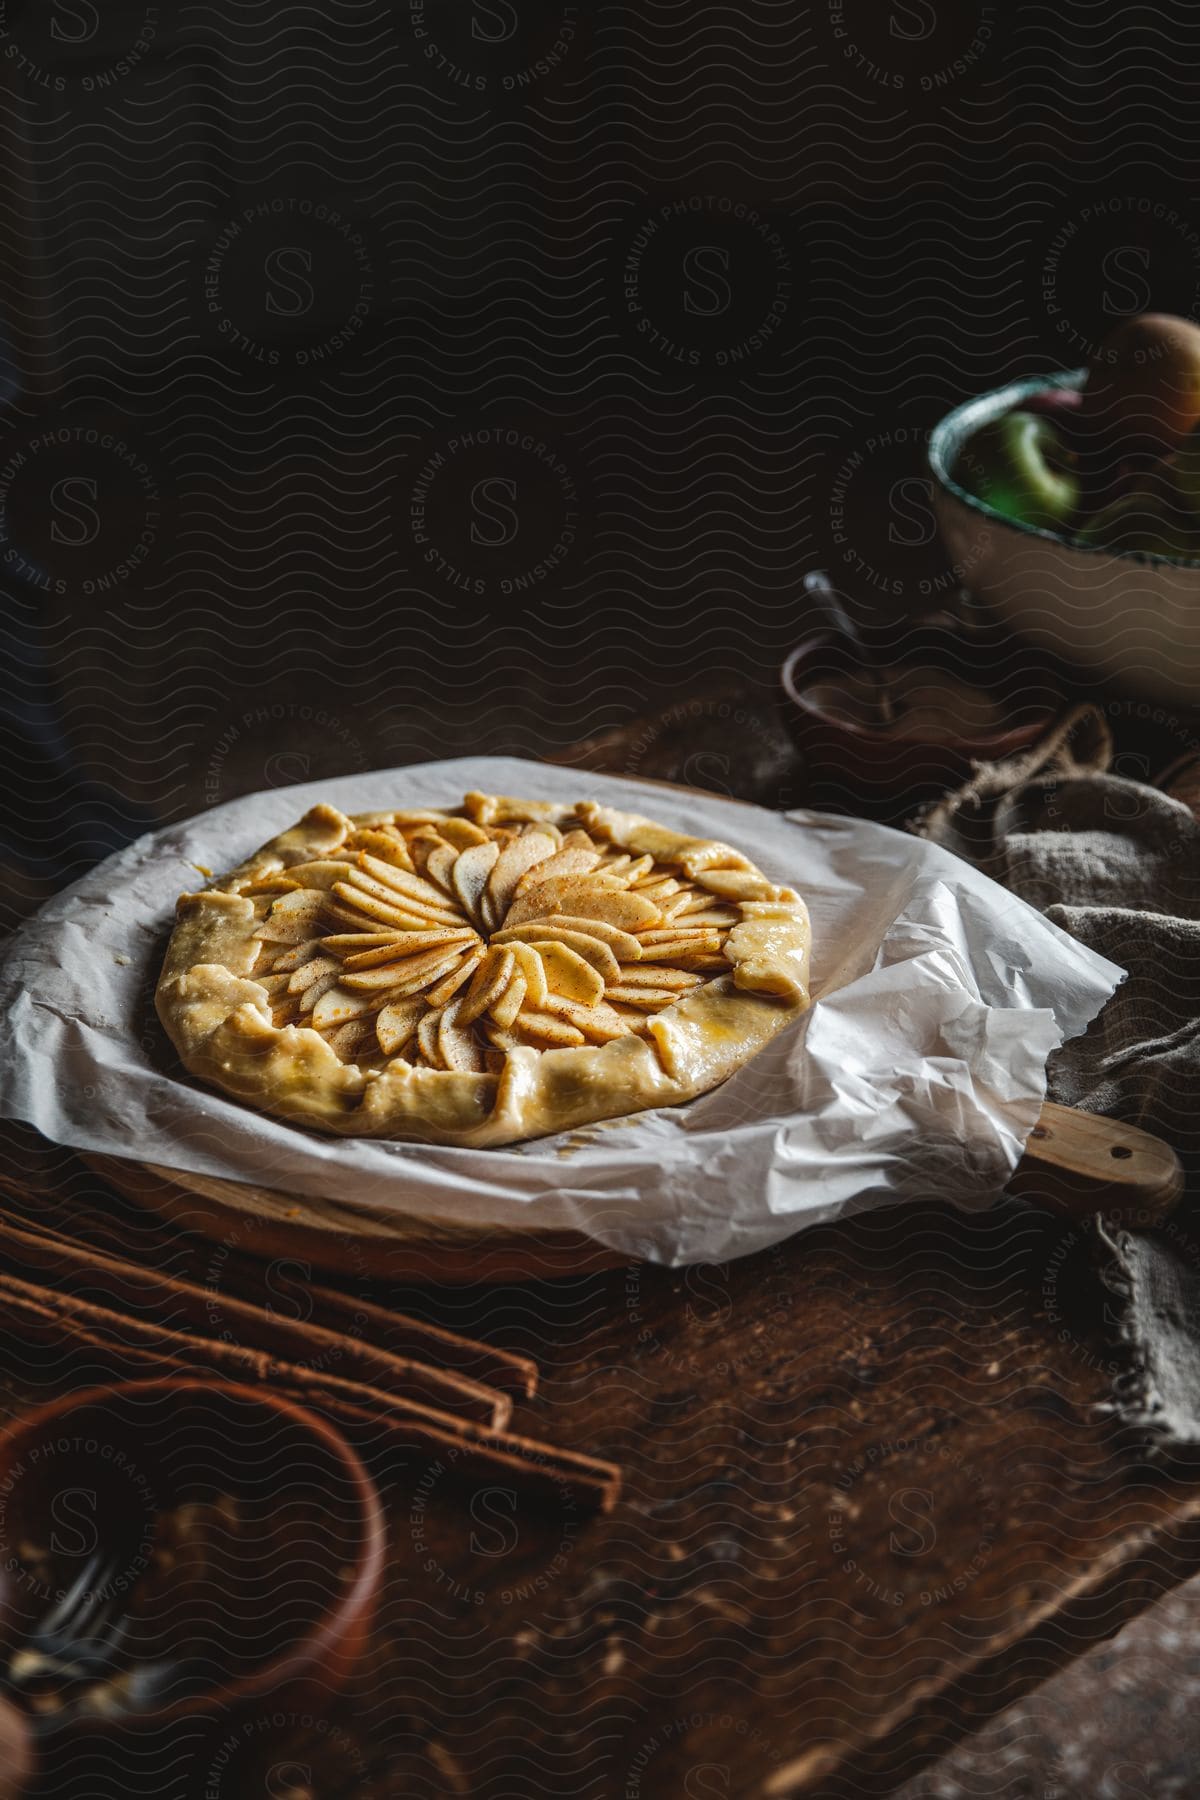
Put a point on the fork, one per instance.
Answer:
(79, 1640)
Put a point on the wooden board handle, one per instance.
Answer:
(1080, 1163)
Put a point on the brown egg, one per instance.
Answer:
(1143, 392)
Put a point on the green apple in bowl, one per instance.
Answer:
(1022, 467)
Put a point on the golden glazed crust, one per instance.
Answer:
(479, 976)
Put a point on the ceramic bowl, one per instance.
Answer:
(1126, 618)
(269, 1591)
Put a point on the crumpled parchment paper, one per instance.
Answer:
(917, 1073)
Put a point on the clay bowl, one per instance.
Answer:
(884, 772)
(275, 1564)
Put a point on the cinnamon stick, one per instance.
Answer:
(398, 1334)
(128, 1346)
(205, 1313)
(404, 1335)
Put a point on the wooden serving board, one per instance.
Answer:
(347, 1241)
(1075, 1163)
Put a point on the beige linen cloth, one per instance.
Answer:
(1117, 864)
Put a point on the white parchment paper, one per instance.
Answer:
(918, 1072)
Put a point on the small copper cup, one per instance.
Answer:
(886, 772)
(277, 1604)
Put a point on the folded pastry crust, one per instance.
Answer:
(480, 975)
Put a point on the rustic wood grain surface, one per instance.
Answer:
(869, 1499)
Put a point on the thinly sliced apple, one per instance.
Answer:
(425, 966)
(581, 898)
(312, 971)
(599, 1024)
(293, 917)
(517, 857)
(569, 974)
(450, 984)
(548, 1031)
(627, 911)
(402, 915)
(702, 938)
(422, 843)
(640, 868)
(650, 975)
(575, 861)
(462, 833)
(593, 950)
(392, 919)
(647, 999)
(545, 896)
(488, 983)
(440, 867)
(505, 1009)
(397, 1024)
(321, 874)
(682, 956)
(400, 884)
(289, 960)
(413, 976)
(351, 943)
(713, 917)
(447, 916)
(662, 888)
(274, 986)
(338, 1005)
(386, 846)
(427, 1039)
(470, 875)
(351, 1040)
(740, 884)
(623, 943)
(409, 943)
(457, 1045)
(530, 964)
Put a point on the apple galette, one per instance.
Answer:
(481, 975)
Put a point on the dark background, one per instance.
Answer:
(725, 266)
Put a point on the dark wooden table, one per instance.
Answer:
(870, 1500)
(873, 1497)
